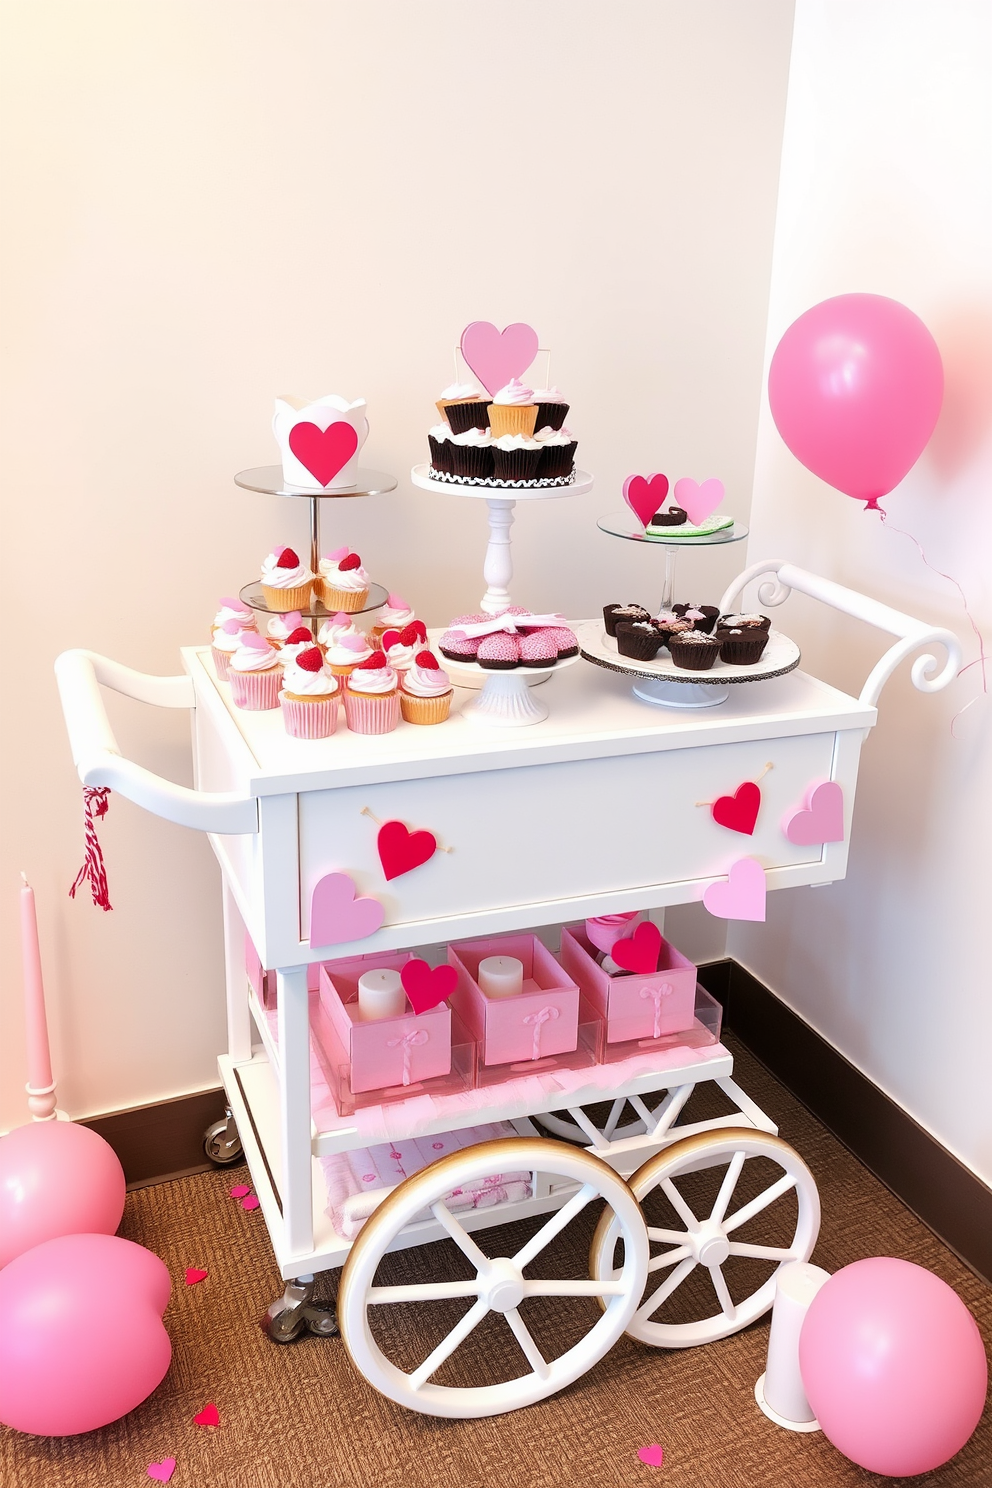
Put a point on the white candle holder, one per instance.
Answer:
(779, 1391)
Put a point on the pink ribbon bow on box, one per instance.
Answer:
(657, 995)
(510, 623)
(546, 1015)
(415, 1039)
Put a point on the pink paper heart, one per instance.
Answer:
(252, 641)
(426, 987)
(645, 495)
(496, 356)
(323, 452)
(239, 1190)
(396, 602)
(822, 818)
(228, 602)
(251, 1202)
(698, 501)
(193, 1275)
(353, 643)
(291, 619)
(741, 895)
(231, 627)
(338, 554)
(338, 915)
(209, 1416)
(162, 1471)
(652, 1456)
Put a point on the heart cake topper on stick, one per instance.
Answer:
(645, 495)
(699, 501)
(496, 356)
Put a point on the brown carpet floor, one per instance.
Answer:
(300, 1417)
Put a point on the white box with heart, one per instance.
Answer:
(319, 441)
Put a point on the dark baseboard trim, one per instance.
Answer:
(163, 1140)
(928, 1179)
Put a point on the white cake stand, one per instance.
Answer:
(668, 686)
(505, 699)
(498, 567)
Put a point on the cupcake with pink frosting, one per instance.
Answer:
(393, 615)
(309, 697)
(425, 690)
(226, 640)
(280, 627)
(336, 626)
(255, 674)
(232, 608)
(347, 652)
(371, 696)
(343, 584)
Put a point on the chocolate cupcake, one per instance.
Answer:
(740, 647)
(613, 613)
(471, 454)
(557, 455)
(516, 457)
(745, 622)
(638, 639)
(551, 408)
(673, 517)
(670, 624)
(694, 651)
(472, 414)
(703, 617)
(439, 441)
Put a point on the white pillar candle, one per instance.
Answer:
(380, 994)
(501, 976)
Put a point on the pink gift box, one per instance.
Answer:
(383, 1052)
(636, 1006)
(538, 1022)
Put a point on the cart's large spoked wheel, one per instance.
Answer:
(372, 1316)
(724, 1210)
(627, 1116)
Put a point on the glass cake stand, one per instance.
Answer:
(268, 480)
(627, 526)
(498, 567)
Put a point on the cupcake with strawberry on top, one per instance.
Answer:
(393, 615)
(280, 627)
(343, 583)
(309, 697)
(298, 640)
(400, 646)
(287, 584)
(371, 696)
(425, 690)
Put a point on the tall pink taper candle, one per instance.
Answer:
(40, 1086)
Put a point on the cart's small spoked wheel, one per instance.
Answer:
(694, 1231)
(498, 1284)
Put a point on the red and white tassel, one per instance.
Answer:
(95, 804)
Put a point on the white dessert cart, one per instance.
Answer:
(592, 811)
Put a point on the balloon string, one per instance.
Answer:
(981, 659)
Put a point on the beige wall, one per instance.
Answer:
(209, 204)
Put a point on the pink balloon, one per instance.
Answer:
(56, 1178)
(855, 388)
(893, 1366)
(81, 1335)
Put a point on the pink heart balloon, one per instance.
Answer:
(741, 895)
(56, 1178)
(68, 1361)
(496, 356)
(855, 388)
(822, 818)
(337, 915)
(645, 495)
(698, 501)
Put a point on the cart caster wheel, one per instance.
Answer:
(295, 1313)
(221, 1142)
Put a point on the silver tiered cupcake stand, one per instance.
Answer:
(268, 479)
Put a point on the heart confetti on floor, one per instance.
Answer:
(651, 1456)
(162, 1471)
(251, 1202)
(209, 1416)
(239, 1191)
(193, 1275)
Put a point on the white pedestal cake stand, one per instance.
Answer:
(498, 567)
(669, 686)
(505, 699)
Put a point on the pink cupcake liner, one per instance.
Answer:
(309, 720)
(371, 715)
(222, 663)
(255, 692)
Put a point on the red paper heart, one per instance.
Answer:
(390, 638)
(193, 1275)
(401, 850)
(645, 496)
(209, 1416)
(426, 987)
(323, 452)
(739, 812)
(640, 951)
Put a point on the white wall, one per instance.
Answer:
(886, 184)
(206, 205)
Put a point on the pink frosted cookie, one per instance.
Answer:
(499, 652)
(538, 649)
(460, 648)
